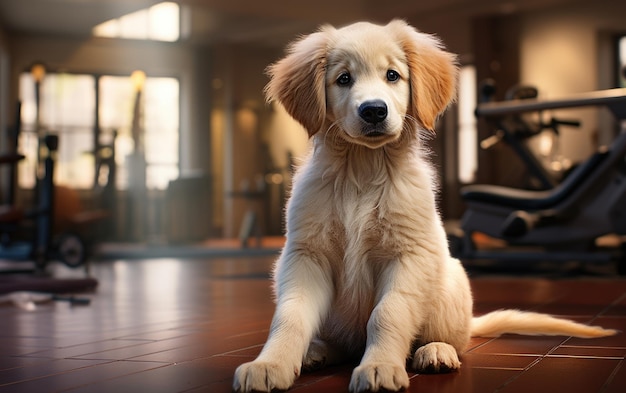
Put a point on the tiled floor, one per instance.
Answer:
(183, 325)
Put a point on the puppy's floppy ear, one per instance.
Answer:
(433, 73)
(298, 80)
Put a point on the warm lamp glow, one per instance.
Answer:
(138, 79)
(38, 71)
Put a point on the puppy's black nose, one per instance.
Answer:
(373, 111)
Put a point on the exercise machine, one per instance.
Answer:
(517, 129)
(563, 223)
(27, 235)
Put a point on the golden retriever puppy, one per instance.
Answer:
(365, 271)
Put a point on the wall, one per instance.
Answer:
(453, 30)
(285, 137)
(568, 50)
(249, 137)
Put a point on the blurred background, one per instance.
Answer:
(164, 131)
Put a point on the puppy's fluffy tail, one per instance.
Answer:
(534, 324)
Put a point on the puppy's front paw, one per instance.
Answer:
(436, 357)
(378, 376)
(264, 376)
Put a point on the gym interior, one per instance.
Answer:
(143, 181)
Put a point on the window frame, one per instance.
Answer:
(28, 129)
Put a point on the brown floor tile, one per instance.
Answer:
(466, 380)
(617, 382)
(252, 351)
(525, 293)
(10, 362)
(570, 310)
(176, 355)
(157, 335)
(203, 347)
(572, 375)
(520, 345)
(185, 325)
(214, 371)
(476, 342)
(83, 350)
(136, 352)
(44, 368)
(508, 362)
(331, 379)
(59, 380)
(333, 383)
(618, 309)
(24, 345)
(592, 352)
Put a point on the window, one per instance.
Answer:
(160, 120)
(468, 145)
(160, 22)
(68, 108)
(621, 70)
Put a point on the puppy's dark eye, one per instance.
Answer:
(392, 75)
(344, 79)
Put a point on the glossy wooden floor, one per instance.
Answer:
(183, 325)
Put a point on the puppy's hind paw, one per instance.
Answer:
(317, 356)
(436, 357)
(263, 377)
(374, 377)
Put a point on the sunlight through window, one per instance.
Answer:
(160, 124)
(468, 154)
(160, 22)
(622, 62)
(67, 108)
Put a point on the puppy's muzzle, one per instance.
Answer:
(373, 111)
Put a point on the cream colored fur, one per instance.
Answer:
(365, 271)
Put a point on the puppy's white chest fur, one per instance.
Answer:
(352, 202)
(364, 223)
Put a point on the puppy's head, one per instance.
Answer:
(366, 80)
